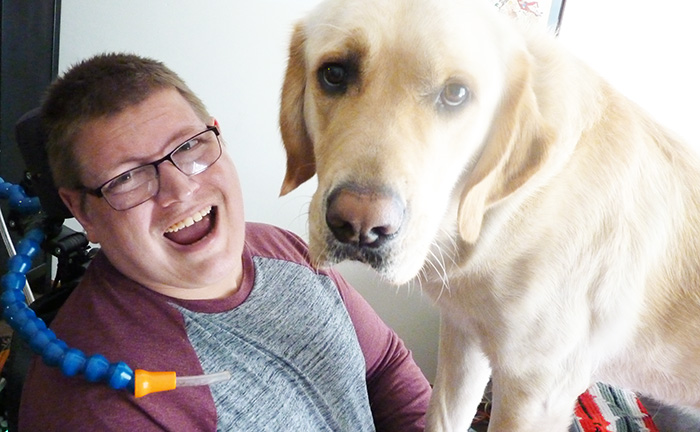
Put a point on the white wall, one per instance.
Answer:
(233, 53)
(647, 49)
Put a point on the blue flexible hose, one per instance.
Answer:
(32, 329)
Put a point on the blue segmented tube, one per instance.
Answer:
(32, 329)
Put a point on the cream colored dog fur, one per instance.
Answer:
(553, 222)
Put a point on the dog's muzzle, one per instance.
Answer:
(363, 221)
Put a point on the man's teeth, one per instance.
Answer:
(189, 221)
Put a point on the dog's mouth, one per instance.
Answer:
(376, 257)
(193, 228)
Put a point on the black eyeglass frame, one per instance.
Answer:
(98, 190)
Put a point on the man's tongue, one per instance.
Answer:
(192, 233)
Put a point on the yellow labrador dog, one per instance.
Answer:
(555, 225)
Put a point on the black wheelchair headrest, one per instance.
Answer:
(31, 138)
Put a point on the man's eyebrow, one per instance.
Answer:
(176, 138)
(184, 133)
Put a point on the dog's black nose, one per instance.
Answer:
(364, 217)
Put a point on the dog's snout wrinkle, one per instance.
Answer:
(364, 217)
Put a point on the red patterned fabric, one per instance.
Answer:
(589, 416)
(600, 409)
(607, 409)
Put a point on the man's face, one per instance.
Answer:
(204, 264)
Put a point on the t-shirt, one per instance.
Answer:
(305, 351)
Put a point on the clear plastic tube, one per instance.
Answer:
(199, 380)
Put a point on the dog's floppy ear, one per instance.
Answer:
(301, 164)
(515, 149)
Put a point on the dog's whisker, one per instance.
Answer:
(445, 258)
(451, 246)
(437, 264)
(444, 275)
(416, 283)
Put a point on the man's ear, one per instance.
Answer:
(75, 201)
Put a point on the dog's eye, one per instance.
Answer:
(333, 77)
(454, 95)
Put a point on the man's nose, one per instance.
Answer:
(175, 186)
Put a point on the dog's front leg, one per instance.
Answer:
(538, 400)
(463, 372)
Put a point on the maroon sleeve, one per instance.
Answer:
(398, 390)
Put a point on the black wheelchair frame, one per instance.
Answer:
(70, 248)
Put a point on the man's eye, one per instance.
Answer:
(122, 182)
(189, 145)
(192, 149)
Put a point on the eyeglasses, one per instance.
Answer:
(138, 185)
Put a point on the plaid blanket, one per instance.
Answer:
(608, 409)
(600, 409)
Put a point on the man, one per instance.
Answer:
(183, 283)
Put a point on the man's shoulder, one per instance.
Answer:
(259, 229)
(270, 241)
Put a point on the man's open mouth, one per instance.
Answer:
(193, 228)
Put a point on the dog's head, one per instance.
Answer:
(410, 112)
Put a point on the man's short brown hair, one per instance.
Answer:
(101, 86)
